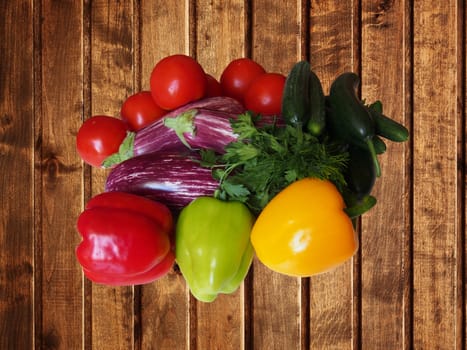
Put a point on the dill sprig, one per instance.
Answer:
(264, 160)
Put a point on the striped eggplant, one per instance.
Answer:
(195, 128)
(218, 103)
(201, 124)
(172, 178)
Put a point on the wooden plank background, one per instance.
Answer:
(63, 61)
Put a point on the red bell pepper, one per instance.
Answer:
(127, 239)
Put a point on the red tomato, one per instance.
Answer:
(264, 95)
(214, 87)
(99, 137)
(177, 80)
(238, 75)
(140, 110)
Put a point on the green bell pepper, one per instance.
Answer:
(212, 246)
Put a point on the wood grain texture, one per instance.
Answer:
(277, 312)
(16, 186)
(165, 28)
(165, 304)
(63, 61)
(60, 174)
(435, 198)
(334, 308)
(112, 81)
(219, 40)
(385, 250)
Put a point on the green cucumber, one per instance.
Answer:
(380, 146)
(378, 143)
(360, 174)
(296, 96)
(389, 128)
(376, 106)
(350, 119)
(317, 112)
(357, 208)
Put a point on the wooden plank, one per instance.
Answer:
(334, 39)
(60, 182)
(161, 20)
(111, 45)
(334, 308)
(41, 108)
(276, 299)
(436, 234)
(219, 40)
(385, 243)
(165, 304)
(16, 192)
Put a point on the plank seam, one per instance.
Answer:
(411, 171)
(37, 159)
(248, 304)
(461, 174)
(305, 312)
(409, 183)
(192, 37)
(248, 40)
(305, 53)
(87, 180)
(304, 37)
(248, 300)
(137, 86)
(191, 46)
(357, 260)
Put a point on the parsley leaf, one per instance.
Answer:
(264, 160)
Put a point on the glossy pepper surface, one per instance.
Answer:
(126, 239)
(304, 230)
(212, 246)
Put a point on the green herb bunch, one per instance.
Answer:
(265, 159)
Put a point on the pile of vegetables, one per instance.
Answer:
(206, 174)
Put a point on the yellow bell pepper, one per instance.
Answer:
(304, 230)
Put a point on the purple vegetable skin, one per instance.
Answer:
(199, 128)
(200, 124)
(203, 124)
(194, 128)
(210, 126)
(172, 178)
(218, 103)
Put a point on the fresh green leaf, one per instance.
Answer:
(235, 191)
(239, 151)
(209, 158)
(291, 175)
(244, 126)
(264, 160)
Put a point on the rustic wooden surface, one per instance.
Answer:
(63, 61)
